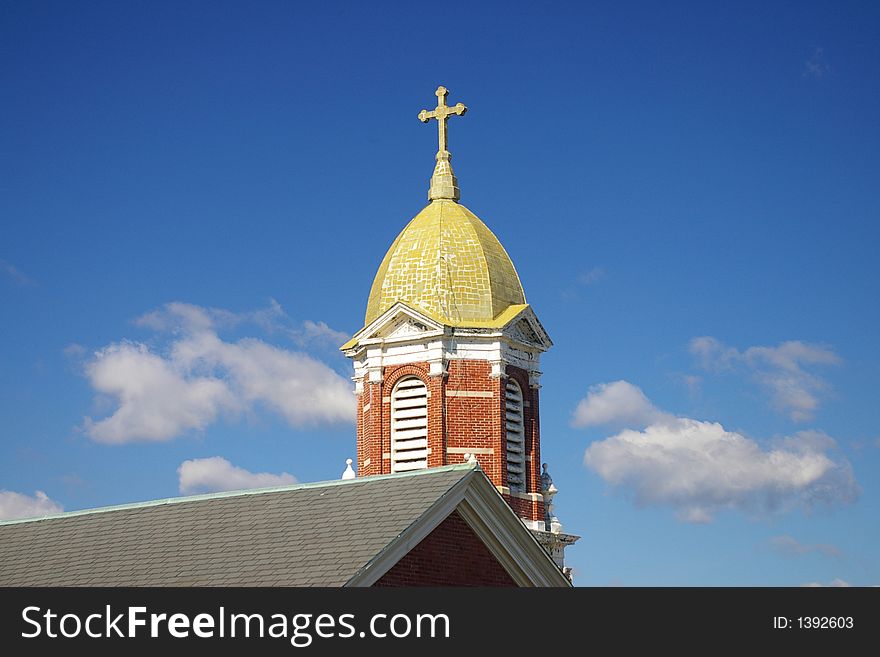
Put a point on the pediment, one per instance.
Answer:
(527, 330)
(523, 332)
(398, 323)
(402, 326)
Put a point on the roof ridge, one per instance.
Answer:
(241, 493)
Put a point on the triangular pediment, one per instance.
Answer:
(527, 330)
(523, 332)
(403, 326)
(398, 323)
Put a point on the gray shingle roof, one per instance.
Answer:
(304, 535)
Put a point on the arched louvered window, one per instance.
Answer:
(409, 425)
(516, 443)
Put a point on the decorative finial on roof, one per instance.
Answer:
(444, 184)
(349, 473)
(546, 479)
(551, 522)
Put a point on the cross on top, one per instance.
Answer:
(442, 113)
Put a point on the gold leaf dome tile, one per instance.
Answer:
(448, 264)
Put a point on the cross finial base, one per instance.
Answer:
(444, 184)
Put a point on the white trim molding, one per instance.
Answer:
(494, 523)
(402, 335)
(484, 451)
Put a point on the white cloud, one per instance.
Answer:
(73, 480)
(215, 474)
(184, 317)
(791, 547)
(74, 351)
(699, 468)
(779, 370)
(320, 331)
(592, 277)
(157, 399)
(713, 355)
(836, 583)
(619, 403)
(201, 377)
(584, 279)
(816, 66)
(693, 383)
(15, 274)
(17, 505)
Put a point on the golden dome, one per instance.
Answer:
(447, 264)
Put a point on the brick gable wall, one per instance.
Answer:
(451, 555)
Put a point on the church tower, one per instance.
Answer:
(447, 365)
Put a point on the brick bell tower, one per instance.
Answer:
(447, 364)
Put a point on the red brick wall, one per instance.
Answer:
(451, 555)
(371, 432)
(475, 422)
(460, 422)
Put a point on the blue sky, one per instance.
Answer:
(195, 198)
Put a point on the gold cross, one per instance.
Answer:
(442, 113)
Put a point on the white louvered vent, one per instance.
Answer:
(516, 461)
(409, 425)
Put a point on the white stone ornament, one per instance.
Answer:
(551, 522)
(349, 473)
